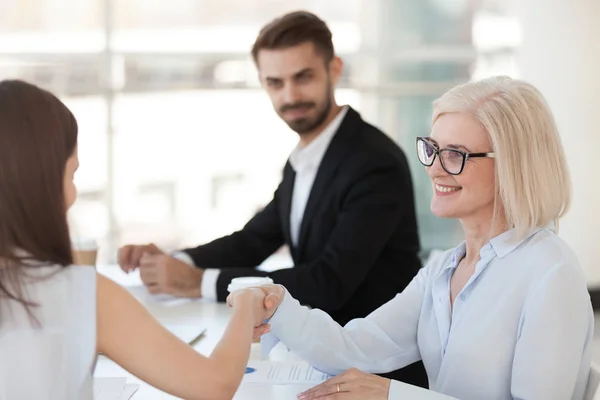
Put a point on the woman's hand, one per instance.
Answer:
(350, 385)
(271, 292)
(262, 301)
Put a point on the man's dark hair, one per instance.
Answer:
(293, 29)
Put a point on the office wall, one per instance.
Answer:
(560, 54)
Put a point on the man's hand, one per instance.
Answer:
(129, 256)
(350, 385)
(164, 274)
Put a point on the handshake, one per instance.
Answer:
(262, 301)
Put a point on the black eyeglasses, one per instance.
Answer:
(452, 160)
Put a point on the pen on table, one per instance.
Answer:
(194, 341)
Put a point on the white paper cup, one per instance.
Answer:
(85, 251)
(248, 281)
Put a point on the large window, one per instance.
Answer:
(178, 144)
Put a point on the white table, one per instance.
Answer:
(214, 317)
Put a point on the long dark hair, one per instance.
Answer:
(38, 134)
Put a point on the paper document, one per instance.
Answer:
(113, 389)
(283, 373)
(128, 391)
(190, 330)
(141, 293)
(188, 333)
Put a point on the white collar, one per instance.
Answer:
(312, 154)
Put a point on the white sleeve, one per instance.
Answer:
(208, 286)
(558, 316)
(384, 341)
(183, 256)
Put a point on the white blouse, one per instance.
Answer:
(53, 359)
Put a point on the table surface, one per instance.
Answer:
(214, 316)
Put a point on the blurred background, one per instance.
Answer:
(179, 144)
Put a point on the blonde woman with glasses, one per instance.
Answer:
(506, 314)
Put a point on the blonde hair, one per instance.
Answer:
(532, 177)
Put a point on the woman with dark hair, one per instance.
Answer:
(55, 316)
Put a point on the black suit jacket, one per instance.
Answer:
(358, 244)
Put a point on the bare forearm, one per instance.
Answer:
(232, 352)
(131, 337)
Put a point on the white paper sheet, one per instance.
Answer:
(144, 296)
(113, 389)
(190, 331)
(129, 391)
(282, 373)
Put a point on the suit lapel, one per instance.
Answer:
(327, 169)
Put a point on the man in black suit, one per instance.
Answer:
(345, 206)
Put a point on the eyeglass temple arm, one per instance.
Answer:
(489, 155)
